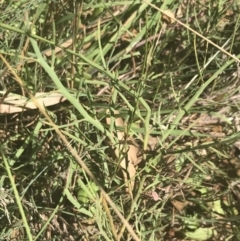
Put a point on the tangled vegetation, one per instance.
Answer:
(119, 120)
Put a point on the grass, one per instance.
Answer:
(173, 80)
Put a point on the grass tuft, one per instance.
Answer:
(169, 71)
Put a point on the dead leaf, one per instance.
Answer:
(128, 145)
(179, 205)
(168, 16)
(153, 142)
(14, 103)
(155, 196)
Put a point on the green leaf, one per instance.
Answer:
(201, 234)
(87, 193)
